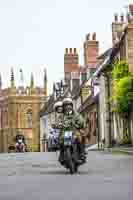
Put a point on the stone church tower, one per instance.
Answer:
(19, 113)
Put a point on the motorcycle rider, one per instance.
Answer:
(72, 121)
(20, 144)
(58, 107)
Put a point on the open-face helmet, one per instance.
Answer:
(58, 106)
(67, 101)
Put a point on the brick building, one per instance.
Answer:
(74, 73)
(76, 76)
(91, 52)
(111, 124)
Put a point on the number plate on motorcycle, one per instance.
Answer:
(68, 138)
(68, 134)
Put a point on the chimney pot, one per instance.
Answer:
(75, 51)
(122, 17)
(94, 36)
(88, 36)
(116, 17)
(66, 50)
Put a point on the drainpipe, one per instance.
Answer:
(97, 122)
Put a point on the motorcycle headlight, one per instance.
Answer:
(74, 137)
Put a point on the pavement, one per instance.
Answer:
(38, 176)
(125, 150)
(118, 149)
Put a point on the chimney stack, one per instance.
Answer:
(117, 27)
(91, 50)
(71, 62)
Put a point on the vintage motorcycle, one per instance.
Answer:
(70, 153)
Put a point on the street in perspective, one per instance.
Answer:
(66, 126)
(39, 176)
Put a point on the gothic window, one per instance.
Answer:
(29, 119)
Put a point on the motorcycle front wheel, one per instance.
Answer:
(70, 162)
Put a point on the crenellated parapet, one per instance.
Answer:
(29, 91)
(22, 90)
(19, 91)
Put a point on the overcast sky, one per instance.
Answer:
(34, 33)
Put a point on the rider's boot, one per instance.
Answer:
(82, 152)
(61, 156)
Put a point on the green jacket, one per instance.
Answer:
(71, 123)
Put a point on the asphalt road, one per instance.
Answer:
(37, 176)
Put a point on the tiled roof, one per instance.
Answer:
(48, 108)
(105, 54)
(88, 102)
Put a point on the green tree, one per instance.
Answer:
(122, 94)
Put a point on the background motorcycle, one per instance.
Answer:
(19, 146)
(53, 141)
